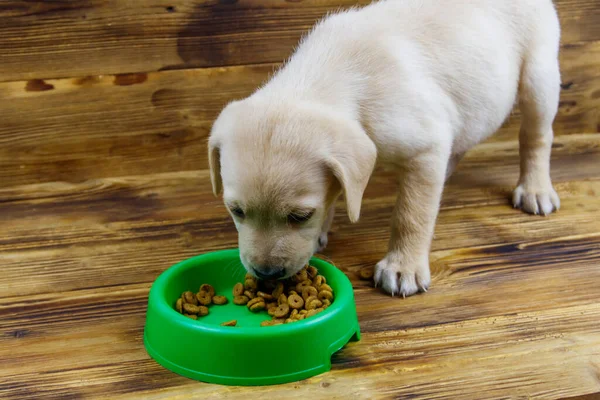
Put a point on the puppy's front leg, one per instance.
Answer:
(405, 268)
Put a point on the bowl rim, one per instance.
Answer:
(344, 295)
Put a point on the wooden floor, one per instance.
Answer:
(105, 107)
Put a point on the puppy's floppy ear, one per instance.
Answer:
(214, 162)
(222, 127)
(351, 158)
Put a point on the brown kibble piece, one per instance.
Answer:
(190, 308)
(257, 304)
(309, 291)
(256, 307)
(297, 298)
(250, 284)
(281, 311)
(207, 288)
(312, 272)
(325, 287)
(319, 280)
(276, 321)
(366, 274)
(325, 295)
(240, 300)
(189, 297)
(278, 290)
(301, 276)
(295, 302)
(311, 313)
(238, 289)
(203, 311)
(300, 287)
(204, 298)
(219, 300)
(265, 296)
(312, 302)
(282, 299)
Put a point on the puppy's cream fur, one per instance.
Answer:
(409, 84)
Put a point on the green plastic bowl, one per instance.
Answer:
(246, 354)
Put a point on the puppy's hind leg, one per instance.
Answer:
(539, 95)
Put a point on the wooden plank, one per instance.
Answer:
(548, 353)
(511, 313)
(78, 129)
(42, 40)
(56, 237)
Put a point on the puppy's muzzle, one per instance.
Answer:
(268, 273)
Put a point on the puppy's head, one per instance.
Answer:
(280, 168)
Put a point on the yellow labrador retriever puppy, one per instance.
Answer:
(409, 84)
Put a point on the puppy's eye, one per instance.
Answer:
(238, 212)
(298, 218)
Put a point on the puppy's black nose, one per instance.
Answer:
(269, 273)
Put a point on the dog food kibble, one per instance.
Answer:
(250, 284)
(204, 298)
(265, 296)
(309, 291)
(366, 274)
(219, 300)
(190, 298)
(301, 296)
(319, 280)
(238, 289)
(202, 311)
(241, 300)
(325, 295)
(194, 305)
(207, 288)
(296, 302)
(191, 309)
(256, 304)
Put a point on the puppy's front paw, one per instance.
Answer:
(397, 276)
(536, 199)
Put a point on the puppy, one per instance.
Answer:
(411, 85)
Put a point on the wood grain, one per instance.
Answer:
(55, 39)
(512, 311)
(85, 128)
(103, 185)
